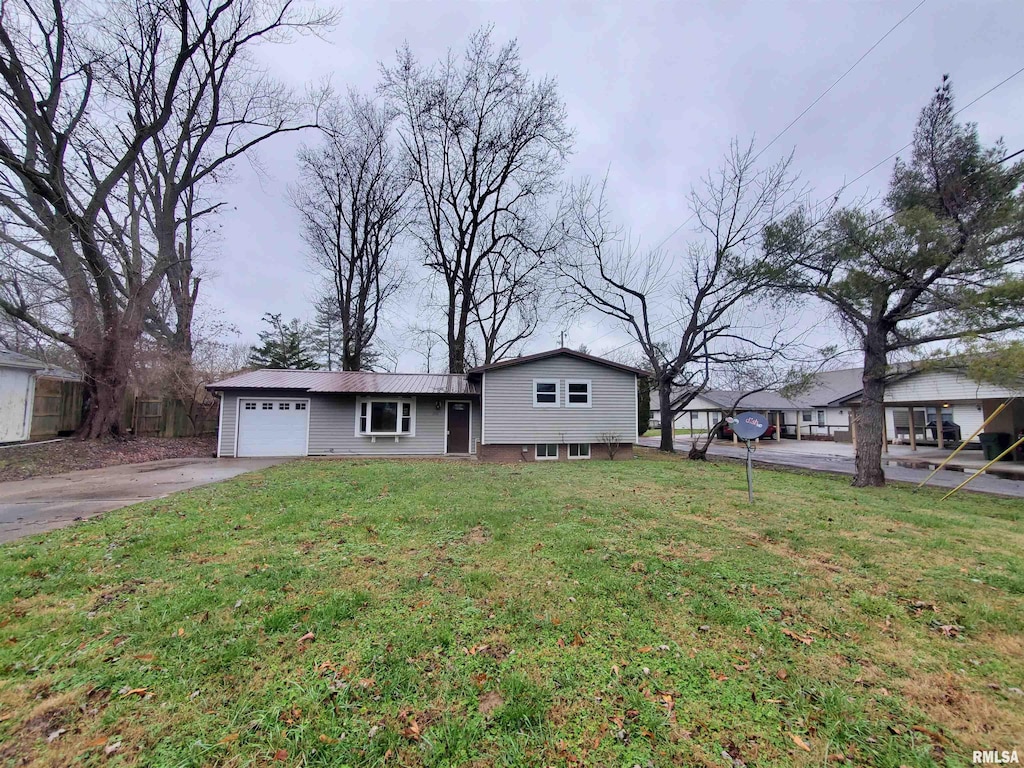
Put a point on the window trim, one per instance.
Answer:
(360, 401)
(538, 457)
(806, 417)
(590, 393)
(558, 393)
(580, 457)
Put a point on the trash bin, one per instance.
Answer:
(994, 443)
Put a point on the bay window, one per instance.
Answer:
(379, 416)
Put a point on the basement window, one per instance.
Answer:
(547, 451)
(579, 450)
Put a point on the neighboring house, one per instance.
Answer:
(815, 413)
(17, 395)
(919, 398)
(554, 405)
(707, 408)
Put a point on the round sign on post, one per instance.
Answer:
(750, 425)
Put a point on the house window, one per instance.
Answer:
(577, 393)
(250, 406)
(806, 416)
(284, 406)
(268, 406)
(545, 393)
(385, 417)
(579, 450)
(821, 418)
(300, 406)
(547, 451)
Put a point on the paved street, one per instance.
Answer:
(45, 503)
(822, 456)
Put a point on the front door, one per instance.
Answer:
(458, 427)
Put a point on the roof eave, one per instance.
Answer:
(554, 353)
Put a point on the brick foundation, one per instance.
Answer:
(509, 453)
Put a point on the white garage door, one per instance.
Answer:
(272, 427)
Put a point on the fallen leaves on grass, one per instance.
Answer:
(281, 755)
(805, 639)
(229, 738)
(800, 742)
(948, 630)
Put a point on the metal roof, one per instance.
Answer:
(560, 351)
(768, 400)
(829, 386)
(351, 382)
(11, 359)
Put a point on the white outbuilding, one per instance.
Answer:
(17, 395)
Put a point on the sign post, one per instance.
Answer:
(749, 426)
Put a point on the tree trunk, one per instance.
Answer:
(106, 380)
(457, 351)
(665, 416)
(872, 413)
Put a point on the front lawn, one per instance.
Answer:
(351, 613)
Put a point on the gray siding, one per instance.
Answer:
(332, 425)
(510, 416)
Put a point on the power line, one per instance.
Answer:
(811, 106)
(840, 79)
(875, 223)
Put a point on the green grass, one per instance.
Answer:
(679, 432)
(590, 613)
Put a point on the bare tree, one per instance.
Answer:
(486, 146)
(707, 309)
(506, 308)
(351, 201)
(82, 106)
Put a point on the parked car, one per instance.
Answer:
(950, 431)
(725, 431)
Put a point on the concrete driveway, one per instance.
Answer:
(45, 503)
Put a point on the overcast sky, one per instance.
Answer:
(654, 91)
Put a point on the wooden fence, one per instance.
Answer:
(58, 411)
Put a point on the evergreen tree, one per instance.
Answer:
(327, 334)
(284, 345)
(940, 262)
